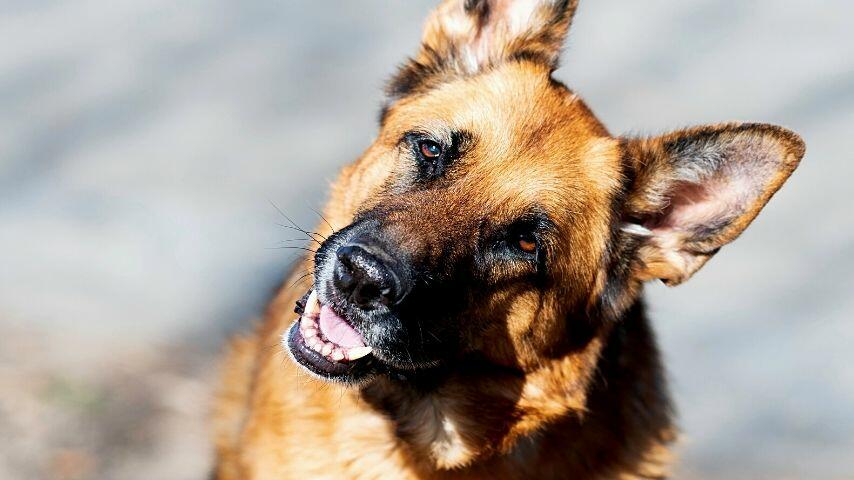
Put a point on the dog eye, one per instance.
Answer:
(527, 242)
(429, 149)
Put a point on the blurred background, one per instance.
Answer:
(143, 142)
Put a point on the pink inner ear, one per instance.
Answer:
(713, 198)
(709, 203)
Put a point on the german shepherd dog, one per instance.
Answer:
(476, 311)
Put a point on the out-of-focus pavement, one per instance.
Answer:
(142, 143)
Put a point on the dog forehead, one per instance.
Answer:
(534, 142)
(579, 182)
(506, 105)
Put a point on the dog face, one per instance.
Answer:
(495, 218)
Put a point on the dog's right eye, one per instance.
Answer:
(430, 156)
(429, 149)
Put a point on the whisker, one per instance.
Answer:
(420, 334)
(292, 222)
(294, 240)
(308, 234)
(408, 354)
(324, 219)
(293, 247)
(301, 278)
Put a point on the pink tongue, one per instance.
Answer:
(337, 331)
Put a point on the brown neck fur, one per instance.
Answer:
(271, 421)
(621, 428)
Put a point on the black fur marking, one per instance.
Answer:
(414, 76)
(480, 9)
(383, 113)
(534, 56)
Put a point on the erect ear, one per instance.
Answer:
(465, 36)
(693, 191)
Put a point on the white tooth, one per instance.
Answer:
(327, 349)
(356, 353)
(309, 332)
(312, 305)
(305, 322)
(338, 355)
(314, 343)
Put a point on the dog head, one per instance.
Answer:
(495, 219)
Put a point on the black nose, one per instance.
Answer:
(368, 276)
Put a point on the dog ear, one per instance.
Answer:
(693, 191)
(464, 37)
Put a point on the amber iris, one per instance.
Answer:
(430, 149)
(528, 244)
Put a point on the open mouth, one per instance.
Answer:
(325, 343)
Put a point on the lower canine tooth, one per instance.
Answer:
(358, 352)
(309, 332)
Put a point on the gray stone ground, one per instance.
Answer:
(141, 143)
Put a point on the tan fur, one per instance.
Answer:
(232, 400)
(581, 399)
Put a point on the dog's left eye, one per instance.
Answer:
(527, 242)
(524, 244)
(429, 149)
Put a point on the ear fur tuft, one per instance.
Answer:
(464, 37)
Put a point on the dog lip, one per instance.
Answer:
(315, 363)
(307, 343)
(356, 367)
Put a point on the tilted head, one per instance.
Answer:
(495, 221)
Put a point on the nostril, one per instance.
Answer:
(345, 255)
(364, 277)
(365, 294)
(344, 279)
